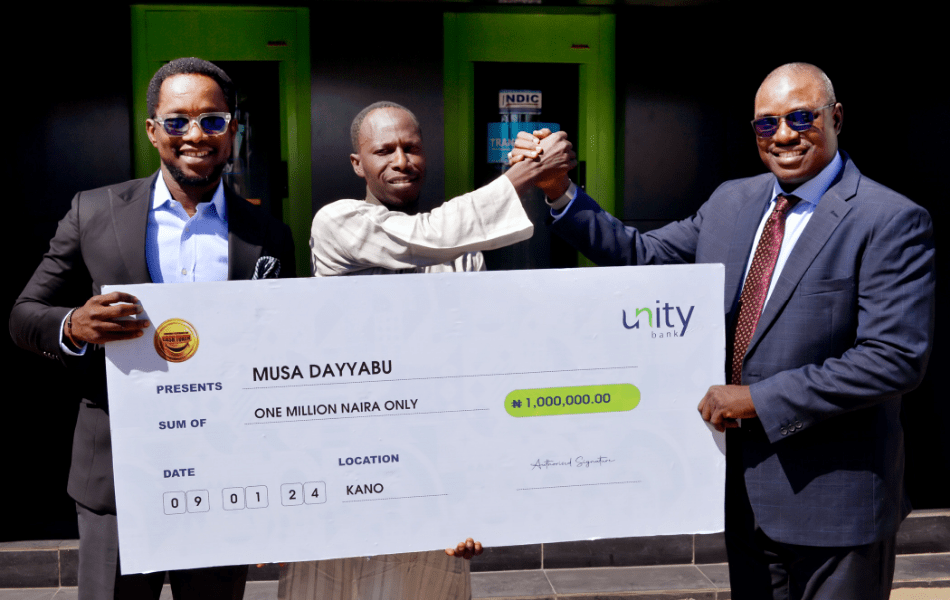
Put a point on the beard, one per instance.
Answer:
(185, 181)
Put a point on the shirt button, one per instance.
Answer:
(184, 271)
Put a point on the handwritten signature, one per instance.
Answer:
(578, 462)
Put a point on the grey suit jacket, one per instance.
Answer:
(846, 332)
(101, 240)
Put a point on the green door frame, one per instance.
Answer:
(587, 40)
(161, 33)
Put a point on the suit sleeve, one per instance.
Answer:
(604, 239)
(890, 336)
(51, 292)
(351, 235)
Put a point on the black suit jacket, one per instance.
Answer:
(101, 241)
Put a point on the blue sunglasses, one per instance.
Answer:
(799, 120)
(213, 123)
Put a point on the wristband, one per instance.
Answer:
(69, 328)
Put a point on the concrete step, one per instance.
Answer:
(671, 582)
(917, 577)
(662, 567)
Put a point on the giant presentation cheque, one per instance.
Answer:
(285, 420)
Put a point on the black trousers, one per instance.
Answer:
(99, 577)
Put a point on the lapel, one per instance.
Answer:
(743, 238)
(245, 237)
(829, 213)
(129, 220)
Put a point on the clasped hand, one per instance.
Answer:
(552, 149)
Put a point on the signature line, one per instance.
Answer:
(554, 487)
(397, 498)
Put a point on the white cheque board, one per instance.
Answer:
(286, 420)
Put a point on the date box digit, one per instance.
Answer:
(198, 501)
(291, 494)
(175, 503)
(232, 498)
(315, 492)
(256, 496)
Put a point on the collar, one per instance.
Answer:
(162, 198)
(812, 190)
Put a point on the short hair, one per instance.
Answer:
(805, 68)
(189, 66)
(361, 116)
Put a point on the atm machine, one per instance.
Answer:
(495, 87)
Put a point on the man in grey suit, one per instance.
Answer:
(844, 269)
(181, 224)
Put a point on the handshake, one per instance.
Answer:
(542, 159)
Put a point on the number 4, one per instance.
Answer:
(316, 492)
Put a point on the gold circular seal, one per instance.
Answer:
(176, 340)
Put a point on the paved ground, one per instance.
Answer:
(256, 590)
(267, 590)
(921, 594)
(617, 582)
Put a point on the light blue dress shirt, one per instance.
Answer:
(179, 248)
(810, 194)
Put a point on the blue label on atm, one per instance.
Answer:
(501, 137)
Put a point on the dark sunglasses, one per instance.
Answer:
(799, 120)
(213, 123)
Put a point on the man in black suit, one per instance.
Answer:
(181, 224)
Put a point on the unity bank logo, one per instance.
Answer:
(662, 320)
(176, 340)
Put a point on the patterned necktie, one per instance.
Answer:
(757, 282)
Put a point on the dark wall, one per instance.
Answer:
(686, 78)
(393, 52)
(67, 129)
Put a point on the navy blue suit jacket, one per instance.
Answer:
(846, 332)
(100, 241)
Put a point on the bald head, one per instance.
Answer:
(800, 69)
